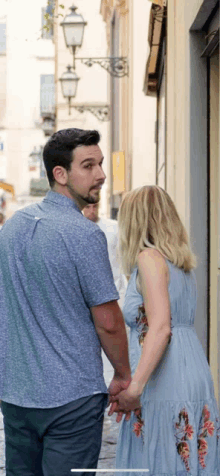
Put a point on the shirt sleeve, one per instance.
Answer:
(94, 270)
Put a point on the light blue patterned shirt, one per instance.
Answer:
(54, 267)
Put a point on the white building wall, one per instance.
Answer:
(28, 56)
(92, 86)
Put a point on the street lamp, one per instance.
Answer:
(73, 29)
(69, 81)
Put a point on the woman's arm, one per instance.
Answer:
(154, 277)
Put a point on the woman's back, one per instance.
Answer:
(184, 364)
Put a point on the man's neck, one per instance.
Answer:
(64, 191)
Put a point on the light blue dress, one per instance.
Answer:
(178, 433)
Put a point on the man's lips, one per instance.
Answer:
(98, 187)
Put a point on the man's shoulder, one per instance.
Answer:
(64, 221)
(75, 229)
(28, 211)
(80, 223)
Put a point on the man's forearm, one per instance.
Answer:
(110, 327)
(115, 345)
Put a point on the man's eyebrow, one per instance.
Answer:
(91, 159)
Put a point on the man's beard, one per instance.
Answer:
(87, 198)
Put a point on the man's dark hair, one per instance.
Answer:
(58, 150)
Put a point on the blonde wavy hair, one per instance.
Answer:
(148, 218)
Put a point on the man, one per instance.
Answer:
(58, 307)
(110, 228)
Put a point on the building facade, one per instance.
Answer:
(26, 95)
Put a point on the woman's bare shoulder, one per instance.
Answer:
(151, 260)
(151, 254)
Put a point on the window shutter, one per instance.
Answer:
(50, 7)
(47, 95)
(48, 35)
(2, 38)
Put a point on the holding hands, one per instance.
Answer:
(123, 398)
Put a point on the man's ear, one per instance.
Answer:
(60, 175)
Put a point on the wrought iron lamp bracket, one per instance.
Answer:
(102, 112)
(115, 66)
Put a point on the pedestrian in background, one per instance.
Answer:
(178, 429)
(58, 306)
(110, 228)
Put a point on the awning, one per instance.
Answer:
(212, 44)
(161, 3)
(157, 15)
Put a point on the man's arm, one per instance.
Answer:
(110, 327)
(100, 295)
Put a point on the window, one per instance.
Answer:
(47, 34)
(2, 38)
(47, 95)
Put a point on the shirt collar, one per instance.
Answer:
(61, 200)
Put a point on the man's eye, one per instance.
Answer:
(89, 166)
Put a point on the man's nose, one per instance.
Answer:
(101, 174)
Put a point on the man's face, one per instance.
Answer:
(86, 176)
(91, 211)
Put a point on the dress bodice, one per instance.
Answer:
(182, 294)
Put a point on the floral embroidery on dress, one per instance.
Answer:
(206, 429)
(138, 426)
(142, 324)
(184, 432)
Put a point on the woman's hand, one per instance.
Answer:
(125, 402)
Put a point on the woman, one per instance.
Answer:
(177, 432)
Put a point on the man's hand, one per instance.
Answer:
(117, 385)
(125, 402)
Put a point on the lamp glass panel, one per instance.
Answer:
(73, 34)
(69, 88)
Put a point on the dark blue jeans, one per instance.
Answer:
(51, 442)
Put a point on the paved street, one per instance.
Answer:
(111, 428)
